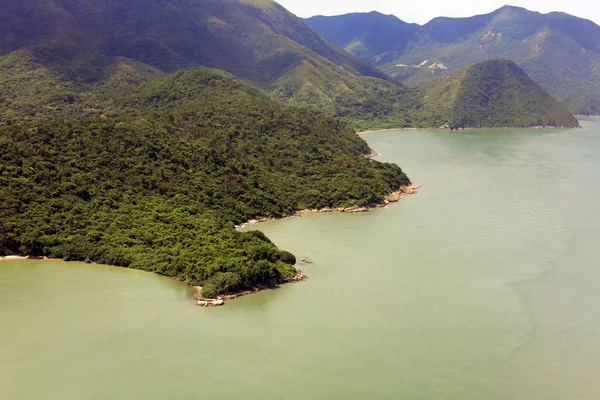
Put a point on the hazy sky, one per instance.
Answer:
(422, 11)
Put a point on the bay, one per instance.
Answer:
(483, 285)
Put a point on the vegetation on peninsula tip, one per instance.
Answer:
(160, 187)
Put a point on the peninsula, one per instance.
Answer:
(121, 144)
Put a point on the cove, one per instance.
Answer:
(482, 286)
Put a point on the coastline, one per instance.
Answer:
(395, 129)
(11, 258)
(393, 197)
(8, 258)
(201, 301)
(371, 154)
(460, 129)
(220, 300)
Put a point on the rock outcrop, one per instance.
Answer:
(211, 303)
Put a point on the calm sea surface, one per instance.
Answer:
(485, 285)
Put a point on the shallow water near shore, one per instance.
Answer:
(485, 285)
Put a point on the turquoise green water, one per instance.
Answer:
(485, 285)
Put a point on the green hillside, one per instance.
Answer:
(494, 93)
(559, 51)
(160, 184)
(376, 37)
(71, 49)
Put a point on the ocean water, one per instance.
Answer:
(485, 285)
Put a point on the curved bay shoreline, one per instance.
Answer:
(393, 197)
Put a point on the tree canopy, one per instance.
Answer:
(160, 186)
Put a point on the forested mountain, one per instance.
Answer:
(54, 50)
(80, 55)
(117, 148)
(372, 36)
(160, 185)
(495, 93)
(559, 51)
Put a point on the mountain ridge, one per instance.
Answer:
(370, 31)
(559, 51)
(57, 73)
(494, 94)
(77, 43)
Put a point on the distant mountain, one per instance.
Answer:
(495, 93)
(559, 51)
(81, 55)
(57, 48)
(254, 39)
(372, 36)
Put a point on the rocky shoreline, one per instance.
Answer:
(447, 128)
(393, 129)
(371, 154)
(201, 301)
(393, 197)
(220, 300)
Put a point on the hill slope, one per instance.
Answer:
(69, 45)
(373, 36)
(160, 187)
(559, 51)
(494, 93)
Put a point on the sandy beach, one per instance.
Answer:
(9, 258)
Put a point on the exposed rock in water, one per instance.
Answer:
(390, 198)
(211, 303)
(300, 277)
(253, 222)
(354, 209)
(412, 189)
(219, 301)
(397, 195)
(372, 154)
